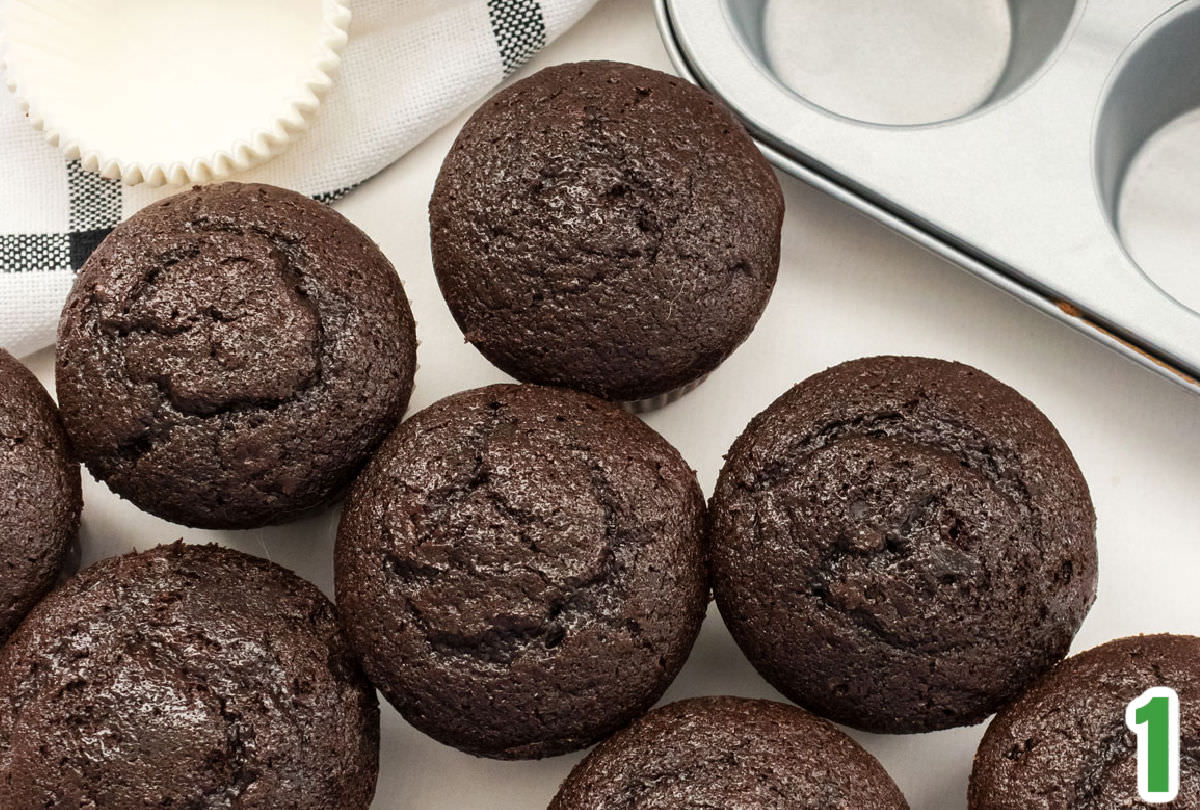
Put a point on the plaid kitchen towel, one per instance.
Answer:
(410, 66)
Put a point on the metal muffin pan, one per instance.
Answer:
(1024, 189)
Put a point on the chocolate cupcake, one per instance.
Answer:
(229, 357)
(521, 569)
(185, 676)
(607, 228)
(40, 497)
(729, 752)
(1064, 744)
(902, 544)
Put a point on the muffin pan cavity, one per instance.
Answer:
(1147, 164)
(1033, 174)
(903, 63)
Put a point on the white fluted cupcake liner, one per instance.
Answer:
(163, 92)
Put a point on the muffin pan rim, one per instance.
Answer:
(1085, 278)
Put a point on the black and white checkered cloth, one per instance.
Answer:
(409, 67)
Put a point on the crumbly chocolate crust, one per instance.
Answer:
(40, 497)
(521, 569)
(902, 544)
(726, 752)
(185, 676)
(1064, 744)
(229, 357)
(606, 227)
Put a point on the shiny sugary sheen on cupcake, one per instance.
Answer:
(229, 357)
(521, 569)
(40, 496)
(606, 227)
(902, 544)
(185, 677)
(1064, 744)
(727, 752)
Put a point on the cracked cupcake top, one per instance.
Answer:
(1064, 743)
(520, 568)
(729, 752)
(606, 227)
(185, 676)
(902, 544)
(40, 497)
(230, 356)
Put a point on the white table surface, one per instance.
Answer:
(847, 288)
